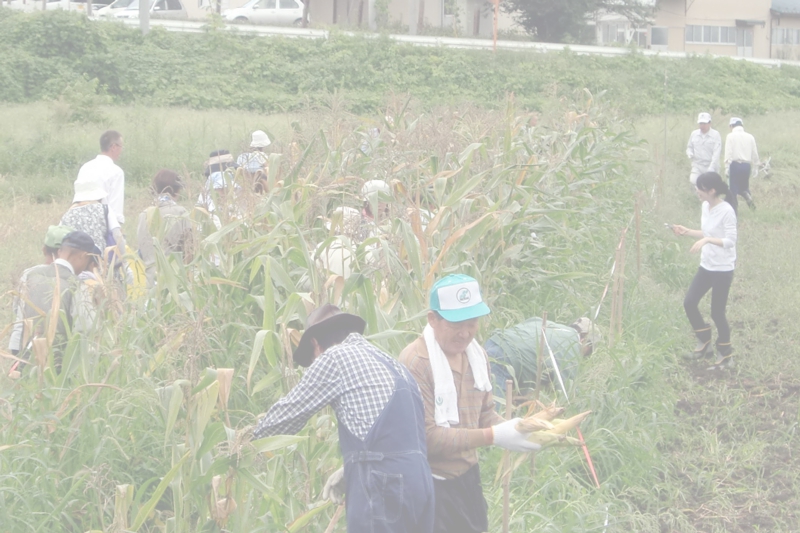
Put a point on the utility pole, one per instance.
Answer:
(144, 16)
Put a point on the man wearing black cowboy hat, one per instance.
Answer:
(381, 418)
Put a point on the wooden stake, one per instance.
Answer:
(637, 216)
(335, 519)
(507, 457)
(540, 355)
(621, 297)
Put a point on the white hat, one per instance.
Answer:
(703, 118)
(259, 140)
(736, 121)
(87, 191)
(375, 188)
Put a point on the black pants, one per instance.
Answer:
(460, 505)
(720, 285)
(739, 182)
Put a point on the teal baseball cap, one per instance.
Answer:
(457, 297)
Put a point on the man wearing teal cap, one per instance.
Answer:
(452, 371)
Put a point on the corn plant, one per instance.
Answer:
(147, 426)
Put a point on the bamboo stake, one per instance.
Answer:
(621, 296)
(494, 30)
(335, 519)
(540, 355)
(507, 457)
(637, 214)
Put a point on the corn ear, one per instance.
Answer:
(570, 423)
(530, 424)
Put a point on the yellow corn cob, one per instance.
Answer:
(549, 413)
(570, 423)
(546, 439)
(530, 424)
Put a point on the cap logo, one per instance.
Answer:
(459, 296)
(463, 295)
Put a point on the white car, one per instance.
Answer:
(111, 9)
(159, 9)
(36, 5)
(273, 12)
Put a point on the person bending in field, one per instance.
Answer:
(166, 221)
(255, 160)
(517, 348)
(52, 242)
(452, 371)
(386, 477)
(716, 245)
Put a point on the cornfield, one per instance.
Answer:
(146, 427)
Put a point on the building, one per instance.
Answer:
(463, 18)
(744, 28)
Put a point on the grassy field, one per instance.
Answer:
(677, 448)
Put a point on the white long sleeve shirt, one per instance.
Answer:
(718, 222)
(741, 146)
(704, 150)
(103, 170)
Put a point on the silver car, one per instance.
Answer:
(272, 12)
(159, 9)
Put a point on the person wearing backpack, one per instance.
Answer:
(165, 222)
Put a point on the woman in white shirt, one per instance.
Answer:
(717, 247)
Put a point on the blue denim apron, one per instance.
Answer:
(389, 486)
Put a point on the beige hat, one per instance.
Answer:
(87, 191)
(584, 326)
(259, 140)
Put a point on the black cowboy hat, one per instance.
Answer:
(321, 320)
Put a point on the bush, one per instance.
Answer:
(46, 52)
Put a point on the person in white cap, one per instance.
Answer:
(704, 148)
(452, 371)
(255, 159)
(741, 157)
(90, 215)
(104, 171)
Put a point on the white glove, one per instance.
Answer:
(506, 436)
(334, 487)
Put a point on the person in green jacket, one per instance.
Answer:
(517, 348)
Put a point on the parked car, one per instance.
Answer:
(36, 5)
(159, 9)
(273, 12)
(111, 9)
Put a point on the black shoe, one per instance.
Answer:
(701, 350)
(749, 199)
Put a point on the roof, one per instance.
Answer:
(786, 7)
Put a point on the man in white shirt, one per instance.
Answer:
(704, 148)
(741, 156)
(104, 170)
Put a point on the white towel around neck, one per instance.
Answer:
(445, 410)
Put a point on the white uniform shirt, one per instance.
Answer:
(718, 222)
(741, 146)
(103, 170)
(704, 150)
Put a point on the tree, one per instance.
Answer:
(566, 20)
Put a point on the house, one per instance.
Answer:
(464, 18)
(745, 28)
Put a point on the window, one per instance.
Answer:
(289, 4)
(786, 36)
(174, 5)
(711, 34)
(659, 36)
(266, 4)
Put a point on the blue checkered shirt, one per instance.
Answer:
(351, 377)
